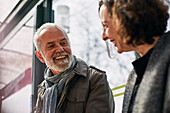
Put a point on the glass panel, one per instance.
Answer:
(6, 8)
(22, 41)
(16, 64)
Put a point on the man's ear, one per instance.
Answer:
(39, 56)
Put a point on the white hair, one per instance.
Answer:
(46, 26)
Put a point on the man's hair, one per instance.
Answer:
(108, 3)
(46, 26)
(140, 20)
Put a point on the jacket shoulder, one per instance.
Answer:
(97, 75)
(97, 69)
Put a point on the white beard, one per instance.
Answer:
(60, 65)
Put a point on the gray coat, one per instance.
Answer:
(153, 95)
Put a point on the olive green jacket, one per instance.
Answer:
(86, 91)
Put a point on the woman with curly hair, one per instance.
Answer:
(140, 25)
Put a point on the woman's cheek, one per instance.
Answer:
(109, 33)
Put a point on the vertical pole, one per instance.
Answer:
(0, 106)
(44, 14)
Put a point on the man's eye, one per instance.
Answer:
(63, 43)
(51, 46)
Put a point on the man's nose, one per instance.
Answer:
(59, 48)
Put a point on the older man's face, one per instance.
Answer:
(55, 49)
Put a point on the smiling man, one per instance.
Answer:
(70, 85)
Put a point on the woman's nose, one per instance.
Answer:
(104, 36)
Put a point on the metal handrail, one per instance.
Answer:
(118, 87)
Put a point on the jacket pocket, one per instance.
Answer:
(76, 100)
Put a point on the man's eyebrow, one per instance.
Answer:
(50, 42)
(63, 39)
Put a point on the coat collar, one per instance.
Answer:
(153, 76)
(81, 68)
(132, 80)
(128, 91)
(158, 51)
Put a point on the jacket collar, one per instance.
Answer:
(81, 68)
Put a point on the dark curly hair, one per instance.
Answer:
(140, 20)
(109, 4)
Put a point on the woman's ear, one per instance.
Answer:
(39, 56)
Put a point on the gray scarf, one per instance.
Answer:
(54, 86)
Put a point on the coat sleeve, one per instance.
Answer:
(167, 93)
(100, 99)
